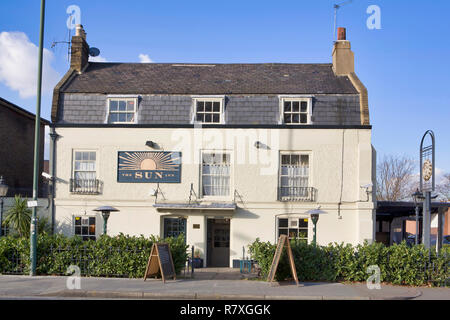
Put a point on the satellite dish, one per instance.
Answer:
(94, 52)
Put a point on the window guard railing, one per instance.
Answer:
(297, 194)
(85, 186)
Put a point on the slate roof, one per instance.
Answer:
(209, 79)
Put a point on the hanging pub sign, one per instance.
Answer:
(149, 167)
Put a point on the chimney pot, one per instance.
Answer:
(342, 34)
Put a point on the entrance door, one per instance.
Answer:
(218, 242)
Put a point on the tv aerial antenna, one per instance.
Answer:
(69, 45)
(336, 8)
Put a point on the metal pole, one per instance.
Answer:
(417, 225)
(37, 131)
(426, 220)
(1, 216)
(314, 236)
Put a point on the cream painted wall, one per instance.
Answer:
(254, 177)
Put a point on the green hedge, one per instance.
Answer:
(399, 264)
(120, 256)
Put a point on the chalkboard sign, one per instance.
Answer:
(160, 260)
(282, 242)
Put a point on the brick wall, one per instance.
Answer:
(17, 151)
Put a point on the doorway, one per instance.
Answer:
(218, 246)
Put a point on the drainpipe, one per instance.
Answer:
(52, 165)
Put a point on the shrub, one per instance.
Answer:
(120, 256)
(399, 264)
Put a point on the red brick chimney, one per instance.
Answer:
(80, 49)
(343, 57)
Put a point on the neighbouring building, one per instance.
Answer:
(17, 148)
(224, 153)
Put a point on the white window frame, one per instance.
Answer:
(231, 183)
(300, 99)
(220, 99)
(291, 219)
(81, 226)
(122, 98)
(74, 151)
(299, 153)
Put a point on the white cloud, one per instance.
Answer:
(97, 59)
(145, 58)
(19, 65)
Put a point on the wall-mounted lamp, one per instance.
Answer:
(150, 144)
(367, 187)
(260, 145)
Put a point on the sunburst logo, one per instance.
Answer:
(147, 161)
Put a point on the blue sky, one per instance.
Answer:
(405, 65)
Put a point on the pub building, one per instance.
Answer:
(224, 153)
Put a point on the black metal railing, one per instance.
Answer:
(81, 186)
(297, 194)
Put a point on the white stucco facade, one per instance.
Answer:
(341, 162)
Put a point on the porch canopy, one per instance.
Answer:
(222, 206)
(395, 209)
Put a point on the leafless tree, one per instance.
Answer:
(444, 188)
(395, 178)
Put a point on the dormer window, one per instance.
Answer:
(209, 110)
(122, 110)
(296, 111)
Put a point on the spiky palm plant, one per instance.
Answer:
(19, 217)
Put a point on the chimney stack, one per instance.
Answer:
(343, 57)
(80, 49)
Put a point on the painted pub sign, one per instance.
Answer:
(149, 167)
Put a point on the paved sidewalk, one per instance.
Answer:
(198, 289)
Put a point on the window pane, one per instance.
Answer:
(84, 230)
(200, 106)
(295, 106)
(130, 105)
(282, 231)
(287, 106)
(200, 117)
(122, 117)
(85, 156)
(113, 104)
(208, 106)
(303, 223)
(122, 106)
(295, 159)
(296, 118)
(208, 118)
(113, 117)
(283, 223)
(77, 230)
(303, 118)
(216, 106)
(77, 155)
(304, 160)
(216, 118)
(78, 221)
(293, 233)
(91, 221)
(304, 106)
(92, 156)
(130, 117)
(287, 118)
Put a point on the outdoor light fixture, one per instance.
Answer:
(315, 217)
(367, 187)
(105, 214)
(150, 144)
(3, 192)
